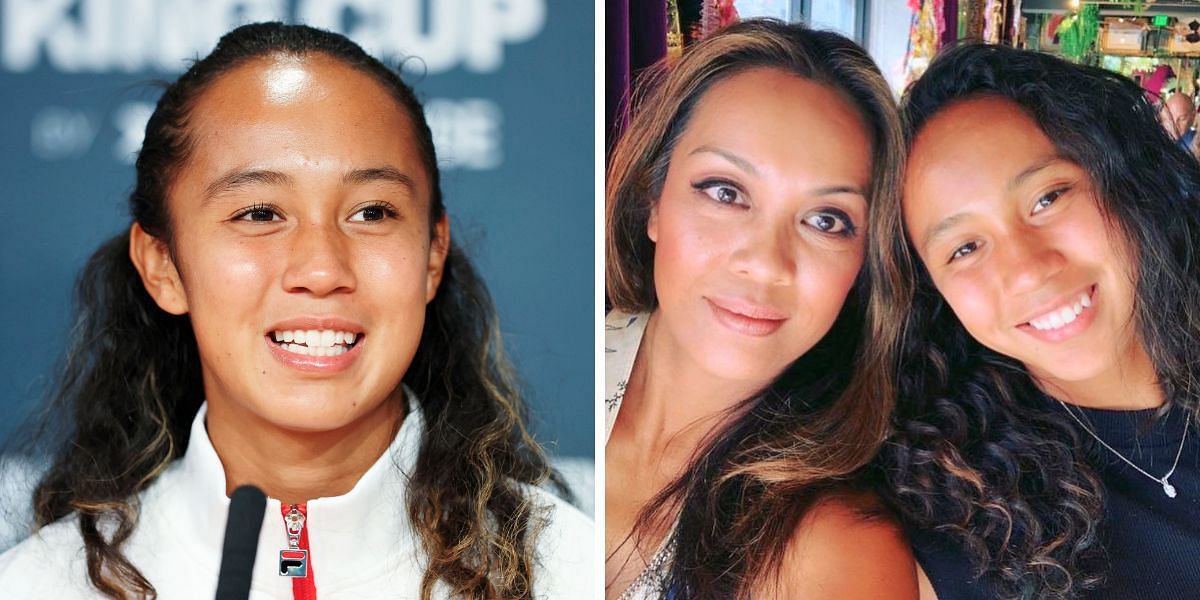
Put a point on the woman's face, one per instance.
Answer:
(1014, 239)
(760, 225)
(303, 207)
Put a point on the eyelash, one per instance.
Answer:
(389, 211)
(955, 255)
(709, 184)
(849, 230)
(1054, 195)
(258, 207)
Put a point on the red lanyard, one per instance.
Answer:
(295, 561)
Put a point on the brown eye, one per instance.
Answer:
(258, 214)
(826, 223)
(964, 250)
(1046, 200)
(377, 212)
(831, 221)
(720, 191)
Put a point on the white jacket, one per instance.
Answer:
(361, 544)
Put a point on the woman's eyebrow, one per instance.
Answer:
(737, 161)
(237, 178)
(1032, 169)
(384, 174)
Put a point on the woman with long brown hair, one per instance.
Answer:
(287, 310)
(737, 201)
(1039, 332)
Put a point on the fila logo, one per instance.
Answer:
(293, 563)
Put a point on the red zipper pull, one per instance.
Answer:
(294, 561)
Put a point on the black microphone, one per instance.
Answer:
(246, 508)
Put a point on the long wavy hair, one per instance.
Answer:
(976, 455)
(752, 480)
(131, 386)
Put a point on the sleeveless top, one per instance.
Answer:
(1151, 539)
(622, 337)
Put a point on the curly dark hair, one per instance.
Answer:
(976, 453)
(131, 381)
(740, 500)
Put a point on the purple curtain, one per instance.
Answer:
(635, 37)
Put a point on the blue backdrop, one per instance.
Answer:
(508, 85)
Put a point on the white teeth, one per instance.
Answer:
(1060, 317)
(313, 339)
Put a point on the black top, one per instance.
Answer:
(1152, 541)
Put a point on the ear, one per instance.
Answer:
(652, 223)
(439, 247)
(154, 263)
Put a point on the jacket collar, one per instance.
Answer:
(354, 535)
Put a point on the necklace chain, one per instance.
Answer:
(1168, 489)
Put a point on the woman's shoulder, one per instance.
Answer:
(848, 545)
(50, 563)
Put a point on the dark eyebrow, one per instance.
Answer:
(942, 227)
(748, 167)
(1031, 170)
(238, 178)
(737, 161)
(384, 174)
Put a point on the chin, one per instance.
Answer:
(312, 412)
(1065, 370)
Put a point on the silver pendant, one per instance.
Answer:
(1168, 489)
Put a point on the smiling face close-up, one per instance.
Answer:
(303, 211)
(759, 229)
(1013, 237)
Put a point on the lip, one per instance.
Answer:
(746, 318)
(316, 364)
(1070, 330)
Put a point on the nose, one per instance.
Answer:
(765, 256)
(1027, 261)
(318, 261)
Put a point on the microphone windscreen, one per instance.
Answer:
(246, 508)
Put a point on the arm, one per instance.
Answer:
(845, 548)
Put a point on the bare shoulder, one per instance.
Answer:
(847, 546)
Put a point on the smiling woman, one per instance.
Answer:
(287, 310)
(1039, 301)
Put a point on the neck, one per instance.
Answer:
(1130, 385)
(319, 464)
(673, 401)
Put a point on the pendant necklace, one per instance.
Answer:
(1168, 489)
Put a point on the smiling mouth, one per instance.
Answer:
(315, 342)
(1064, 315)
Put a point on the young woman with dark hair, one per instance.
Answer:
(736, 205)
(1040, 326)
(288, 310)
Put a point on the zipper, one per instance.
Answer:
(295, 561)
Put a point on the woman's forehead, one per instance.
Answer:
(300, 114)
